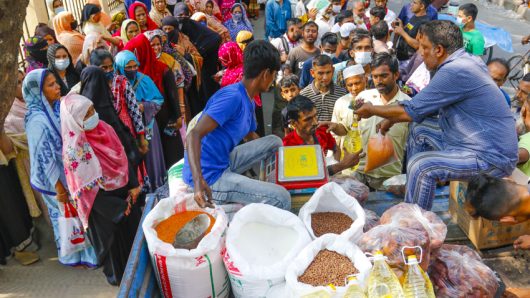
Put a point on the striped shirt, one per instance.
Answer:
(324, 102)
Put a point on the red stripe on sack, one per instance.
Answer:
(164, 277)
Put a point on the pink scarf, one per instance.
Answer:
(14, 123)
(92, 159)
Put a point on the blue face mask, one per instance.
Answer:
(203, 23)
(237, 16)
(131, 74)
(109, 75)
(59, 10)
(91, 122)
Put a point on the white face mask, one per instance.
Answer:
(62, 64)
(330, 55)
(91, 122)
(336, 8)
(363, 58)
(58, 10)
(459, 21)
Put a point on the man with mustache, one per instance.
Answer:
(385, 72)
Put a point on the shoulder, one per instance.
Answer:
(368, 95)
(401, 96)
(291, 139)
(340, 90)
(307, 91)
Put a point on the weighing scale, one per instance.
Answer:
(301, 167)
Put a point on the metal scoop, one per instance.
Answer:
(192, 233)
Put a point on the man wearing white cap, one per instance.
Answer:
(342, 118)
(385, 72)
(344, 43)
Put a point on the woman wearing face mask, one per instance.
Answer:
(60, 64)
(139, 12)
(35, 50)
(54, 7)
(150, 101)
(361, 51)
(104, 185)
(42, 122)
(64, 26)
(212, 23)
(238, 21)
(169, 118)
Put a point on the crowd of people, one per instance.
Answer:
(107, 104)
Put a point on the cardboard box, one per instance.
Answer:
(481, 232)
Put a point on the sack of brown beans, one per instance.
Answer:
(329, 259)
(332, 211)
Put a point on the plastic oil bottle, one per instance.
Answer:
(417, 283)
(382, 281)
(354, 289)
(352, 140)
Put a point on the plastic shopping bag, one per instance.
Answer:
(71, 233)
(380, 152)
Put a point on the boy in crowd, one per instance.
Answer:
(289, 90)
(328, 46)
(380, 35)
(405, 34)
(499, 70)
(473, 39)
(377, 14)
(499, 199)
(389, 17)
(305, 51)
(290, 39)
(302, 115)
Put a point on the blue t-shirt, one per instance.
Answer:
(233, 111)
(507, 97)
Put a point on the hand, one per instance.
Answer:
(141, 107)
(384, 126)
(134, 193)
(111, 27)
(397, 23)
(62, 194)
(332, 126)
(283, 57)
(180, 49)
(525, 39)
(364, 111)
(218, 76)
(522, 242)
(351, 159)
(312, 14)
(203, 194)
(62, 197)
(143, 147)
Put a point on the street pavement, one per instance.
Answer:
(48, 278)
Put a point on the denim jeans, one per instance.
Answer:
(232, 187)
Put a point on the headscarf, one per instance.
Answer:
(42, 30)
(39, 111)
(51, 11)
(157, 16)
(14, 123)
(231, 57)
(105, 18)
(95, 86)
(234, 27)
(214, 24)
(90, 45)
(123, 30)
(149, 23)
(244, 38)
(119, 17)
(166, 58)
(186, 68)
(71, 39)
(148, 64)
(62, 22)
(72, 77)
(129, 3)
(172, 36)
(181, 8)
(36, 55)
(88, 11)
(92, 159)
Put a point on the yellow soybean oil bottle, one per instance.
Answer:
(382, 281)
(417, 283)
(353, 288)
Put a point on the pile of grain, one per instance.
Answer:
(328, 267)
(330, 222)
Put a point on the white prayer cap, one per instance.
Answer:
(346, 29)
(353, 70)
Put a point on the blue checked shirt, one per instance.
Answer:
(473, 114)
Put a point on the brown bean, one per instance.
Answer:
(330, 222)
(328, 267)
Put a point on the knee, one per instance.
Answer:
(281, 198)
(416, 164)
(274, 141)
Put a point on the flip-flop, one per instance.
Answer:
(26, 258)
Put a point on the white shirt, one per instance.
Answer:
(323, 28)
(300, 9)
(389, 17)
(343, 114)
(278, 44)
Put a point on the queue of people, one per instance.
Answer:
(101, 109)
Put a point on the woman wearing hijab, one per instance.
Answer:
(92, 42)
(129, 3)
(244, 38)
(54, 7)
(64, 26)
(36, 51)
(41, 94)
(213, 24)
(102, 181)
(126, 106)
(91, 23)
(150, 100)
(105, 20)
(42, 30)
(61, 65)
(128, 30)
(231, 57)
(169, 116)
(139, 12)
(159, 11)
(187, 68)
(238, 21)
(207, 43)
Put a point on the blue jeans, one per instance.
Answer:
(232, 187)
(428, 163)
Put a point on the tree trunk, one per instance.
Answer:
(12, 15)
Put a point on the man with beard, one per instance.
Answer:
(291, 39)
(474, 132)
(385, 73)
(305, 51)
(359, 16)
(207, 43)
(302, 116)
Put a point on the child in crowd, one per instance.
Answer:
(473, 39)
(288, 90)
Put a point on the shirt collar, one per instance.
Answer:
(317, 92)
(457, 54)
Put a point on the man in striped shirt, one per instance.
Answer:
(322, 91)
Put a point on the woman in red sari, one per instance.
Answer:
(138, 12)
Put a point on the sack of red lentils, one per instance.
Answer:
(332, 211)
(198, 272)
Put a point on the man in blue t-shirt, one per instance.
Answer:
(213, 161)
(499, 70)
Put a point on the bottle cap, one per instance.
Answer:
(412, 260)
